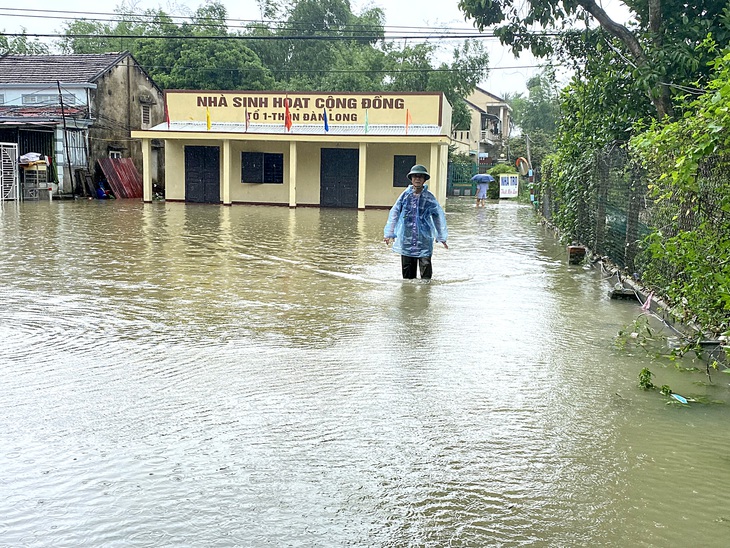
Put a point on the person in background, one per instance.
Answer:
(482, 187)
(104, 192)
(414, 222)
(101, 192)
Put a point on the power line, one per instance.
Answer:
(204, 21)
(350, 71)
(345, 71)
(420, 34)
(333, 38)
(434, 33)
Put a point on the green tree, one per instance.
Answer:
(537, 116)
(540, 110)
(320, 45)
(177, 56)
(535, 145)
(22, 45)
(687, 160)
(319, 41)
(203, 64)
(661, 45)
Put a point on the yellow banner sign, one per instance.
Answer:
(305, 108)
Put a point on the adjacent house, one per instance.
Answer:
(73, 110)
(490, 127)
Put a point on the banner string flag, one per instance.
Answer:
(326, 124)
(408, 120)
(287, 114)
(207, 117)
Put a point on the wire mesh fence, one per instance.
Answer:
(613, 211)
(610, 213)
(673, 235)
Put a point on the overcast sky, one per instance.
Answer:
(507, 74)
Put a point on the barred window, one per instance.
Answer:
(401, 166)
(262, 167)
(145, 116)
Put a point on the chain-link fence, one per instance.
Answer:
(609, 211)
(613, 213)
(678, 244)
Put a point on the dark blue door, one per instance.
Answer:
(202, 174)
(338, 177)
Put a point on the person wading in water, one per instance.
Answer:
(414, 222)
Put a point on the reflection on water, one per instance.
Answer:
(197, 375)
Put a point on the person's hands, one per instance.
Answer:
(446, 246)
(388, 241)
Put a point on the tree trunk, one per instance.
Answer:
(661, 101)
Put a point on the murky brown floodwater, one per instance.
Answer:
(179, 375)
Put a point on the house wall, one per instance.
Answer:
(13, 95)
(117, 108)
(307, 108)
(99, 115)
(379, 189)
(175, 172)
(493, 105)
(75, 101)
(263, 193)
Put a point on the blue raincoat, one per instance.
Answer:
(415, 221)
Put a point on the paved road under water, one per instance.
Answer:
(180, 375)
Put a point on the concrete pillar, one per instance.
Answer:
(226, 167)
(293, 174)
(437, 183)
(147, 170)
(361, 176)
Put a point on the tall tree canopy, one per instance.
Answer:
(317, 45)
(22, 44)
(540, 109)
(661, 46)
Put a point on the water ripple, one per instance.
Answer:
(253, 376)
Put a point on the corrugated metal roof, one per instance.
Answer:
(309, 129)
(49, 69)
(123, 178)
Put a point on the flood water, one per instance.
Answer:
(195, 375)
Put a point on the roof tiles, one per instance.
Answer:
(47, 69)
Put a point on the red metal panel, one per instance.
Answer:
(123, 178)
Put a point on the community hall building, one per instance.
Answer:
(347, 150)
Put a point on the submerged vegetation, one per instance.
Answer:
(673, 349)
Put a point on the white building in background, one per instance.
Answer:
(491, 119)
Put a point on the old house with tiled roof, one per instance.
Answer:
(74, 110)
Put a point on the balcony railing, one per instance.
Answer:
(489, 137)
